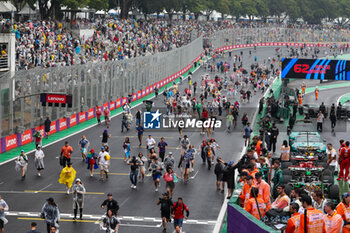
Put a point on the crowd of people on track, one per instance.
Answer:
(220, 94)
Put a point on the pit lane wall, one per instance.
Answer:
(237, 219)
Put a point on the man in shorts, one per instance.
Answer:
(165, 208)
(156, 168)
(83, 144)
(103, 161)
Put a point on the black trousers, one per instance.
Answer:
(273, 145)
(65, 161)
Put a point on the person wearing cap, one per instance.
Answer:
(66, 152)
(50, 213)
(264, 189)
(67, 176)
(39, 160)
(78, 191)
(165, 209)
(169, 161)
(91, 160)
(343, 208)
(22, 164)
(110, 204)
(150, 143)
(103, 162)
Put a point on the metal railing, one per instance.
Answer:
(93, 84)
(90, 84)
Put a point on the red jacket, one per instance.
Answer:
(344, 153)
(178, 210)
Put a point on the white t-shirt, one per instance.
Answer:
(333, 154)
(255, 155)
(101, 156)
(150, 143)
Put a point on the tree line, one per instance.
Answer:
(311, 11)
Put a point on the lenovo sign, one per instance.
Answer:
(55, 98)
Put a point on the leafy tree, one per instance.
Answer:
(98, 4)
(223, 6)
(293, 10)
(249, 8)
(277, 7)
(262, 8)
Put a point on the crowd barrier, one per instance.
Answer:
(16, 140)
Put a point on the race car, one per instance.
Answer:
(306, 141)
(343, 110)
(312, 110)
(311, 176)
(304, 136)
(307, 155)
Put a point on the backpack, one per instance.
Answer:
(177, 204)
(218, 169)
(188, 156)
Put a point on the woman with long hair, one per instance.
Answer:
(126, 148)
(91, 160)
